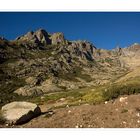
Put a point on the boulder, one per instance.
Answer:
(19, 112)
(31, 81)
(28, 91)
(46, 88)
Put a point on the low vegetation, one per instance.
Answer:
(71, 96)
(76, 73)
(94, 95)
(124, 110)
(112, 91)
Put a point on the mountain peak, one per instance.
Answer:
(2, 38)
(42, 37)
(41, 31)
(38, 37)
(134, 47)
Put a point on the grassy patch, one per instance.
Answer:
(68, 76)
(125, 89)
(109, 60)
(86, 77)
(109, 92)
(77, 72)
(7, 90)
(92, 95)
(124, 111)
(75, 94)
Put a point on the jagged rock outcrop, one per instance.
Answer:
(58, 38)
(130, 56)
(130, 51)
(29, 37)
(83, 49)
(43, 37)
(3, 39)
(134, 47)
(3, 42)
(35, 39)
(118, 50)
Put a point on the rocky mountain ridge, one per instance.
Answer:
(41, 38)
(39, 62)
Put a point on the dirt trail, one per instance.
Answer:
(120, 113)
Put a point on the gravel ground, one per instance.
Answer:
(124, 112)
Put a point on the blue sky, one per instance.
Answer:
(104, 29)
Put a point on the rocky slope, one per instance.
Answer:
(123, 112)
(38, 63)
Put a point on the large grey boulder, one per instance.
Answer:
(19, 112)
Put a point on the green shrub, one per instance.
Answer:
(116, 90)
(124, 111)
(109, 60)
(73, 75)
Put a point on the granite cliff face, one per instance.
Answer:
(41, 38)
(39, 62)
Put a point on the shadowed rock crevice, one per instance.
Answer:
(29, 116)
